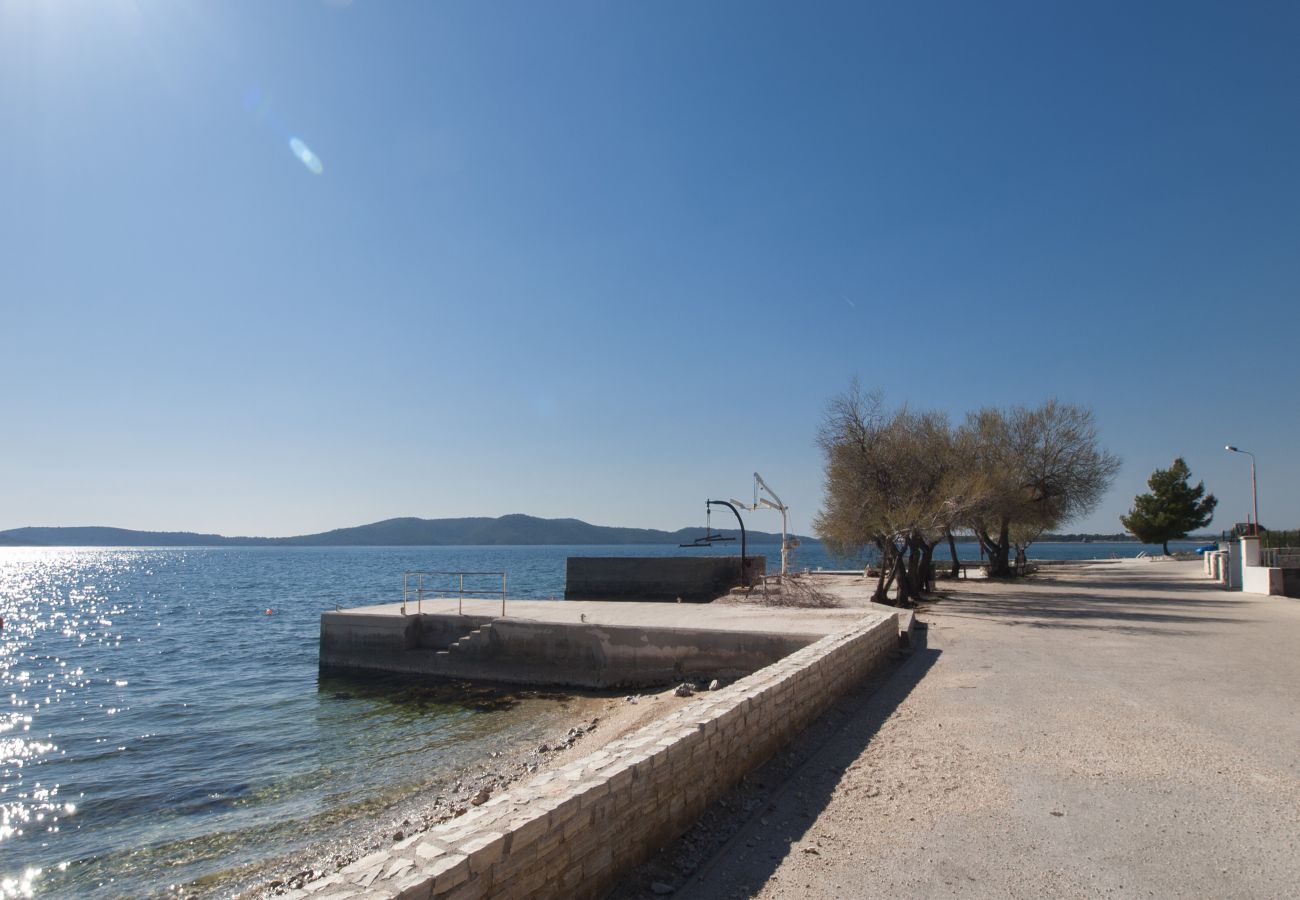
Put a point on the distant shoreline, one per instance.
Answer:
(511, 530)
(148, 540)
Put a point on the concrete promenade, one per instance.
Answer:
(1119, 729)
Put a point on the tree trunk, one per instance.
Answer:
(999, 551)
(906, 592)
(1166, 543)
(952, 548)
(899, 576)
(915, 577)
(887, 572)
(927, 564)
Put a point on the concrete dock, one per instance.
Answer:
(576, 643)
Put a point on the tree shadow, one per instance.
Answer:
(1111, 583)
(1131, 605)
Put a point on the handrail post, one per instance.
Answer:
(419, 589)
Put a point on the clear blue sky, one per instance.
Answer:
(604, 260)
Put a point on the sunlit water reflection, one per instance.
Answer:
(157, 726)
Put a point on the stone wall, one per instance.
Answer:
(603, 656)
(694, 579)
(1291, 582)
(572, 832)
(519, 651)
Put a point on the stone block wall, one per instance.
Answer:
(572, 832)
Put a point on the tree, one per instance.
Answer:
(1172, 509)
(903, 481)
(1028, 471)
(889, 484)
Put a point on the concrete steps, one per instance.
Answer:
(471, 644)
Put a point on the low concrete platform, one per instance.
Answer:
(575, 643)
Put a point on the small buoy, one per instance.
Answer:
(269, 612)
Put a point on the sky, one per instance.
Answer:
(273, 269)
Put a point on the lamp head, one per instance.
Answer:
(1232, 448)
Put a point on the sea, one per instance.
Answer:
(163, 723)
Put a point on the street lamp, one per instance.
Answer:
(1254, 493)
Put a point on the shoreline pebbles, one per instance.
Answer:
(595, 721)
(465, 789)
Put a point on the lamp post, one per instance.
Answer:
(1254, 493)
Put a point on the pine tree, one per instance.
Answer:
(1172, 509)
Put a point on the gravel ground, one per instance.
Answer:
(1112, 729)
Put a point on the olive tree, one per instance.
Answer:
(1031, 470)
(891, 483)
(902, 481)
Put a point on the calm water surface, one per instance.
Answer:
(157, 726)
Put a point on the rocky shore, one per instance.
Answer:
(587, 723)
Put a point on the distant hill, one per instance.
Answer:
(100, 536)
(407, 532)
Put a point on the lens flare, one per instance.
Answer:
(309, 159)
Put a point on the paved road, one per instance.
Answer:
(1114, 730)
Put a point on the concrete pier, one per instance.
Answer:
(575, 643)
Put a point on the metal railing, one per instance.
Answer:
(1280, 557)
(1280, 539)
(413, 585)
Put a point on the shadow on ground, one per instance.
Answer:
(1113, 581)
(741, 829)
(1110, 603)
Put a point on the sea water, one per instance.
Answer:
(162, 719)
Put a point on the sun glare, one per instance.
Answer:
(309, 159)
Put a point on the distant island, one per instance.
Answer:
(406, 532)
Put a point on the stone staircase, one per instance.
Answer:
(472, 644)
